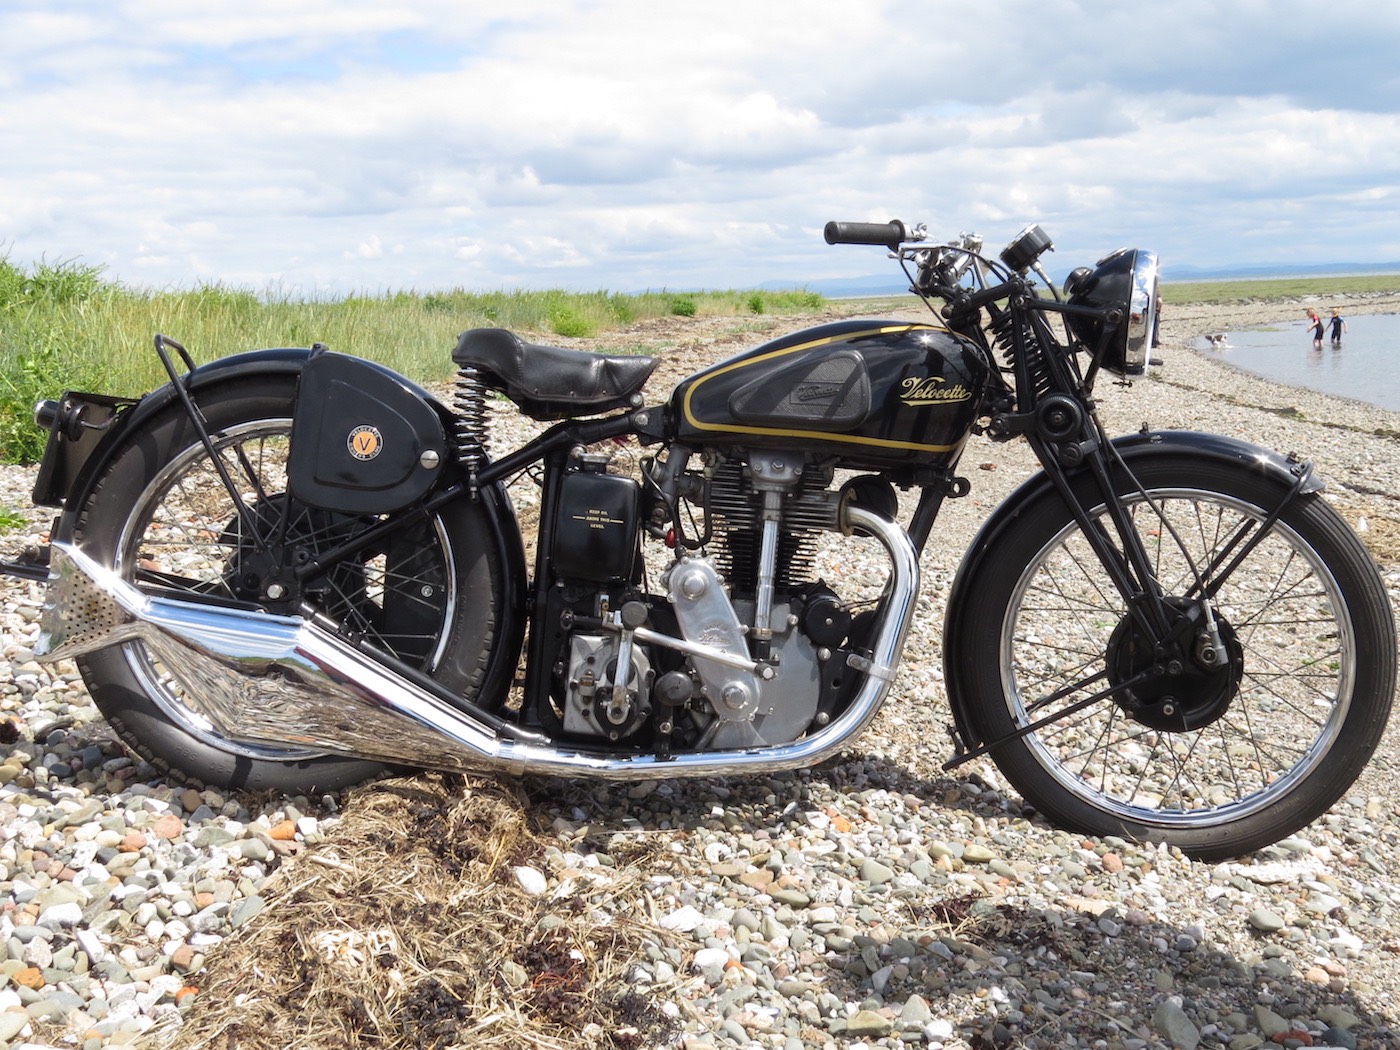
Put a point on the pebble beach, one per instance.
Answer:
(875, 901)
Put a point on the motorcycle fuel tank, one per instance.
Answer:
(873, 393)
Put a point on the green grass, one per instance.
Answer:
(1278, 288)
(62, 327)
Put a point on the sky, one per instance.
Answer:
(329, 147)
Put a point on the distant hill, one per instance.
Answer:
(895, 284)
(1205, 273)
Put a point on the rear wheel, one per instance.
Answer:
(162, 518)
(1236, 740)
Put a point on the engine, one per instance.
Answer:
(600, 700)
(740, 492)
(735, 642)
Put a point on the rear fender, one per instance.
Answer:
(289, 361)
(1135, 449)
(286, 361)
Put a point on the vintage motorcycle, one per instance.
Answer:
(289, 568)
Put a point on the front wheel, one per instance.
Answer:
(162, 518)
(1240, 736)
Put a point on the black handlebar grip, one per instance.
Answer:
(890, 234)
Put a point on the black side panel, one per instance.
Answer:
(595, 530)
(363, 442)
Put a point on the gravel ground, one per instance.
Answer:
(876, 901)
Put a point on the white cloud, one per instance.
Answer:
(350, 145)
(370, 249)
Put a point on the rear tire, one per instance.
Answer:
(427, 596)
(1275, 735)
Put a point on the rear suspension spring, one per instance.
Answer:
(469, 403)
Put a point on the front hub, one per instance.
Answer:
(1189, 687)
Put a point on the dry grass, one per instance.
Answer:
(1382, 537)
(409, 929)
(1380, 532)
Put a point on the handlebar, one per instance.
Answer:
(890, 234)
(942, 267)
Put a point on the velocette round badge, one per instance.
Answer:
(364, 442)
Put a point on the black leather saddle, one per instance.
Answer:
(551, 382)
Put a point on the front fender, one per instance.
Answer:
(1134, 448)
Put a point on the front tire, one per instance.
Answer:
(161, 517)
(1234, 750)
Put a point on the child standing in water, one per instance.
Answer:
(1315, 320)
(1339, 326)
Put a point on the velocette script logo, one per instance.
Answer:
(364, 442)
(932, 390)
(808, 392)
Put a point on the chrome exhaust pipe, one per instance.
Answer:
(285, 682)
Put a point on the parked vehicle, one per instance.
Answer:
(288, 568)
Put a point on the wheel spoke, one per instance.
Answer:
(1283, 613)
(187, 532)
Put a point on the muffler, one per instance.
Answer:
(286, 682)
(270, 681)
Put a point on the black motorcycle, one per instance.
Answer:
(292, 567)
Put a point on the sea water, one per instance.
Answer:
(1364, 366)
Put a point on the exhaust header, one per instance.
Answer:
(282, 681)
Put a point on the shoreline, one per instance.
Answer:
(1354, 445)
(1333, 421)
(1259, 313)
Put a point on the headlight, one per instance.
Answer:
(1127, 279)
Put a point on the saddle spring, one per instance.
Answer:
(469, 403)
